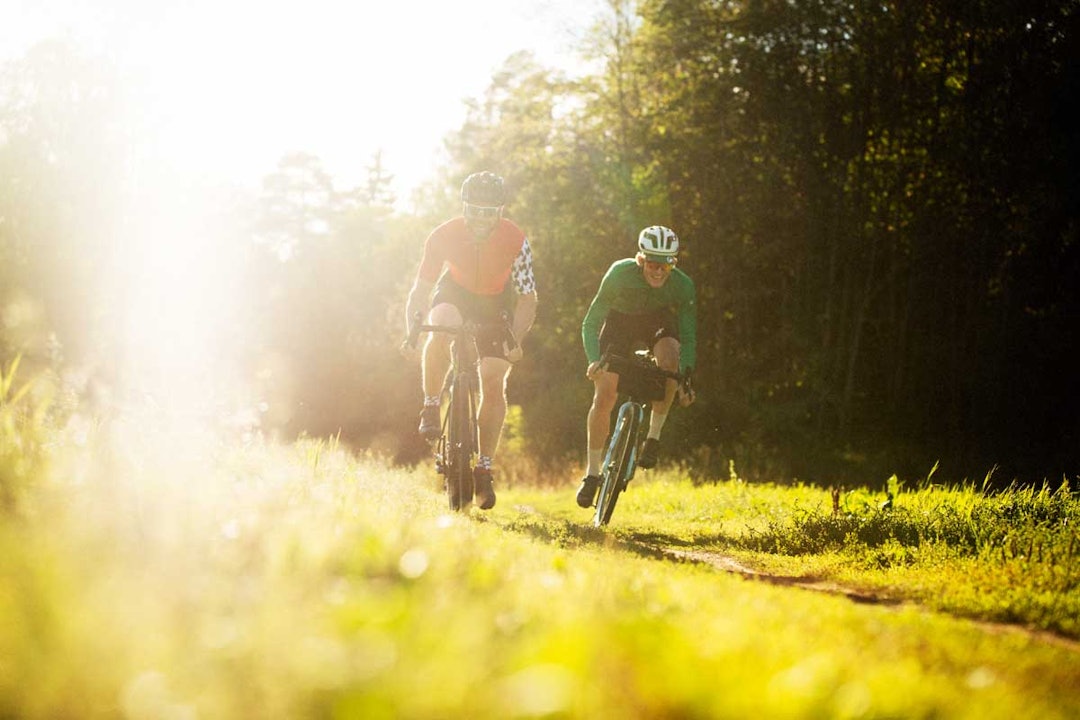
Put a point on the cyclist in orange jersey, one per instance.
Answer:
(475, 267)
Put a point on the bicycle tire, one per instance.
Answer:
(617, 463)
(471, 441)
(459, 446)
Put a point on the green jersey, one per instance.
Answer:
(625, 290)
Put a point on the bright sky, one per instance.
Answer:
(229, 86)
(222, 89)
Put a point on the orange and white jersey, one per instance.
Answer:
(482, 267)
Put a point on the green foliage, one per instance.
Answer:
(62, 183)
(878, 207)
(1008, 555)
(877, 203)
(327, 285)
(849, 191)
(301, 581)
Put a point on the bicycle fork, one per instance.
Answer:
(443, 451)
(629, 422)
(460, 405)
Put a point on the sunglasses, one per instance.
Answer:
(482, 212)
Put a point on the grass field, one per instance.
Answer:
(154, 574)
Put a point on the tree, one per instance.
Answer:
(62, 189)
(875, 200)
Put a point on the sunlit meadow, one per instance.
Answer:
(153, 570)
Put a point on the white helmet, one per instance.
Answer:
(659, 244)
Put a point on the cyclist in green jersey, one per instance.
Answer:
(643, 301)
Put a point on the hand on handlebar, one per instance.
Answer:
(409, 349)
(686, 392)
(511, 347)
(409, 346)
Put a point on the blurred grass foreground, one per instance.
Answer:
(153, 570)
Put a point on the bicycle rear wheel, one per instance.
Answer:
(617, 463)
(460, 442)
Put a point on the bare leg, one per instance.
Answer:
(605, 388)
(494, 373)
(436, 359)
(666, 352)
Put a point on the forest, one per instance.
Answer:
(878, 203)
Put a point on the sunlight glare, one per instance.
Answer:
(177, 282)
(227, 87)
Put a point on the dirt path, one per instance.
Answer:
(731, 565)
(728, 564)
(659, 547)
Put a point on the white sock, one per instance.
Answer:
(656, 424)
(595, 458)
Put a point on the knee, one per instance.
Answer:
(666, 352)
(493, 384)
(604, 398)
(444, 314)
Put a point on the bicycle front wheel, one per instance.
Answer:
(460, 441)
(617, 463)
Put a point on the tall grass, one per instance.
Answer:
(23, 438)
(1008, 555)
(167, 571)
(970, 522)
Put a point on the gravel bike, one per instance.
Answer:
(642, 382)
(459, 441)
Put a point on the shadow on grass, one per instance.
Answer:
(659, 546)
(563, 533)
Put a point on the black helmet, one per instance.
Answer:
(483, 188)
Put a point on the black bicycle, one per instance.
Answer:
(642, 382)
(459, 440)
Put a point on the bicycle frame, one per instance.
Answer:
(620, 459)
(459, 442)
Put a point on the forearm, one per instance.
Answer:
(524, 315)
(597, 314)
(418, 302)
(590, 329)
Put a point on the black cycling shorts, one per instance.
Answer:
(622, 334)
(491, 342)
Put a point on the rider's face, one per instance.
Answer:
(481, 220)
(656, 273)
